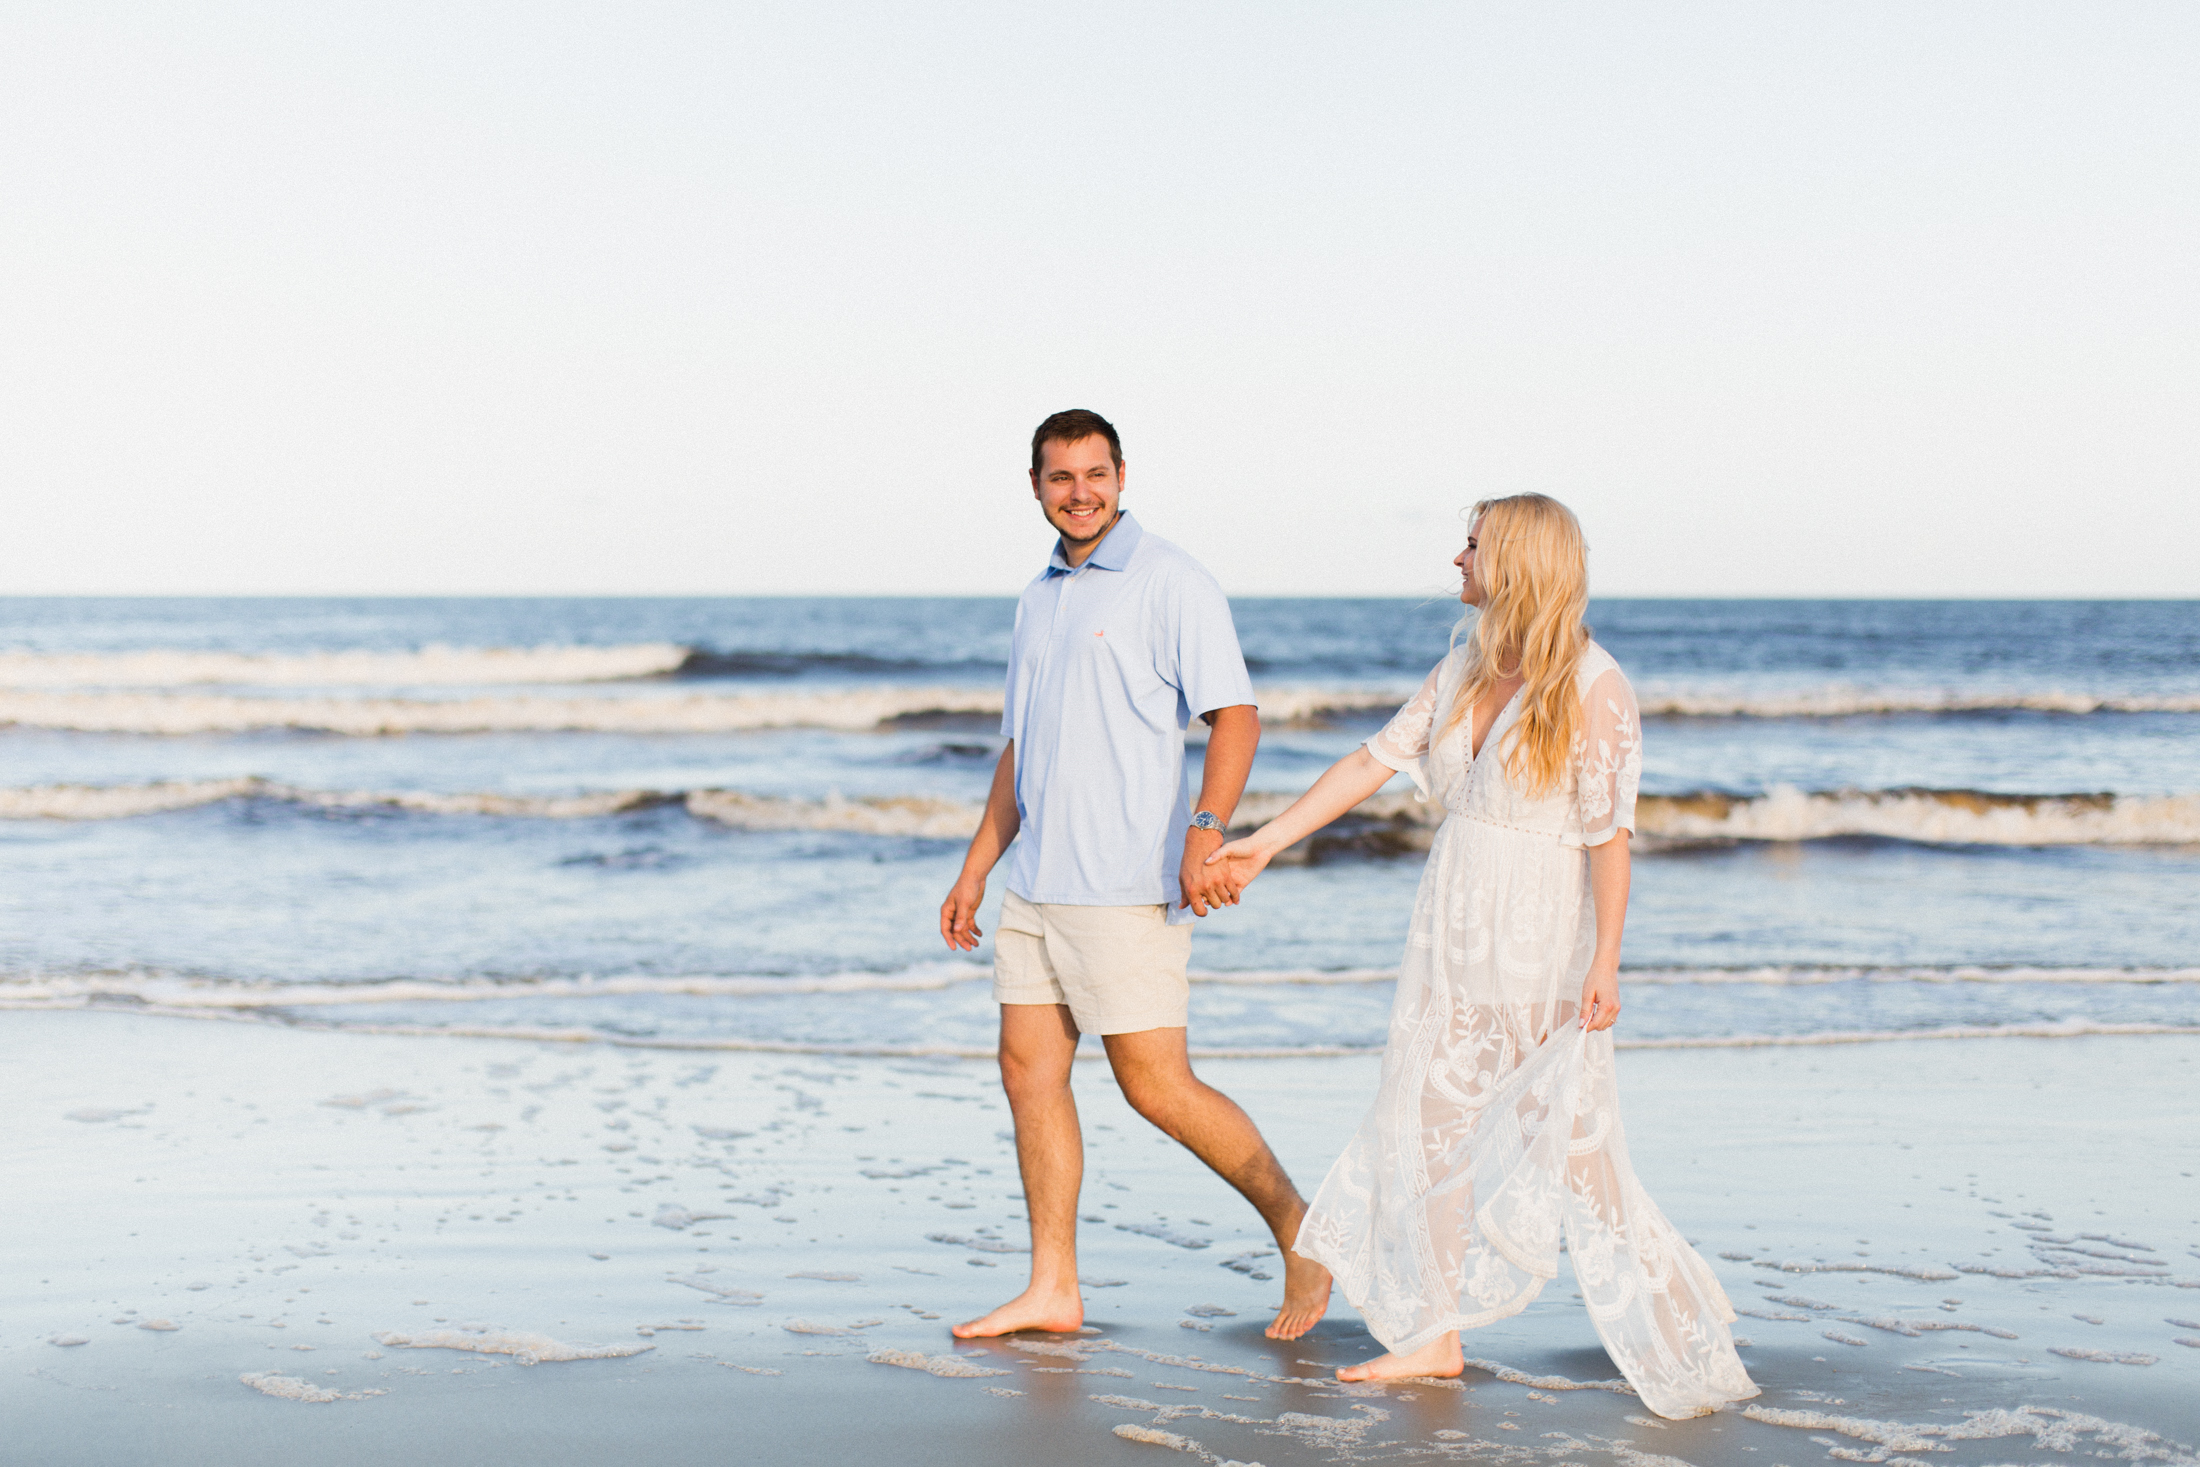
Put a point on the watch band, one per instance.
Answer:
(1206, 820)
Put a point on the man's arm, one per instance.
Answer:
(1233, 735)
(959, 913)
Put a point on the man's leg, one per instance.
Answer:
(1156, 1075)
(1038, 1047)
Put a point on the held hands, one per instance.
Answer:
(959, 915)
(1600, 998)
(1200, 882)
(1232, 868)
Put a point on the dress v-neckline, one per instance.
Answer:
(1474, 750)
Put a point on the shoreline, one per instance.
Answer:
(760, 1227)
(259, 1017)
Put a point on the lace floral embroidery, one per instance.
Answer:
(1405, 738)
(1608, 757)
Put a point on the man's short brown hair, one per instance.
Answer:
(1073, 426)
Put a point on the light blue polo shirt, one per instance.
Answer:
(1109, 665)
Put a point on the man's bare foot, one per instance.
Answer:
(1305, 1297)
(1439, 1357)
(1061, 1310)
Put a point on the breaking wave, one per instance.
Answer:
(2071, 1029)
(850, 709)
(1777, 975)
(1386, 824)
(176, 993)
(1845, 701)
(1395, 824)
(180, 992)
(1937, 817)
(1812, 975)
(885, 815)
(438, 665)
(160, 693)
(352, 1007)
(117, 802)
(709, 663)
(433, 666)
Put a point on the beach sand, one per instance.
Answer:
(281, 1245)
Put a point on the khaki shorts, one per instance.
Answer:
(1119, 969)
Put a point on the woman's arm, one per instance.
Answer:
(1343, 785)
(1609, 872)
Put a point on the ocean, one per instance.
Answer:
(728, 822)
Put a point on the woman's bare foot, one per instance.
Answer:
(1439, 1357)
(1305, 1297)
(1061, 1310)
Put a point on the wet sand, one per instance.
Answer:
(280, 1245)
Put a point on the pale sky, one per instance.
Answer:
(1844, 299)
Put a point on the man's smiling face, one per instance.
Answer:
(1077, 485)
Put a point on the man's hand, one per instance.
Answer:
(1234, 733)
(1201, 883)
(959, 914)
(1600, 998)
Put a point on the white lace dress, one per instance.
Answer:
(1496, 1127)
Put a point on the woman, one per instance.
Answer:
(1496, 1125)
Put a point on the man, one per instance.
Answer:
(1121, 641)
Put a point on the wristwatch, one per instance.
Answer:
(1206, 820)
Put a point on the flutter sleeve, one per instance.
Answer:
(1403, 742)
(1608, 769)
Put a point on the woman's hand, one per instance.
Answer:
(1600, 997)
(1241, 860)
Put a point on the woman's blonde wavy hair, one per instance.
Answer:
(1533, 567)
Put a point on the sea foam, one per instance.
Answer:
(524, 1346)
(942, 1365)
(432, 666)
(853, 709)
(1849, 700)
(177, 992)
(39, 697)
(292, 1388)
(174, 992)
(303, 1006)
(1938, 817)
(1386, 822)
(2052, 1429)
(121, 802)
(1959, 817)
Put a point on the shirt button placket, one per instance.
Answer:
(1060, 624)
(1061, 609)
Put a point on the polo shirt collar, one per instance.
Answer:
(1113, 552)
